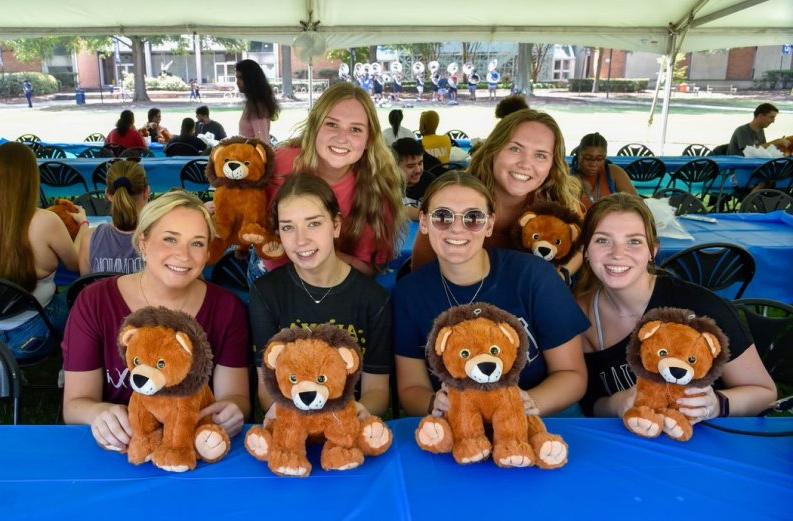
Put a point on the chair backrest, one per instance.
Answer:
(635, 150)
(457, 134)
(99, 175)
(10, 377)
(91, 152)
(194, 171)
(80, 284)
(697, 150)
(715, 265)
(50, 152)
(772, 171)
(720, 150)
(231, 272)
(181, 149)
(703, 171)
(96, 137)
(94, 203)
(28, 138)
(136, 152)
(111, 150)
(14, 299)
(646, 169)
(58, 175)
(771, 326)
(764, 201)
(682, 201)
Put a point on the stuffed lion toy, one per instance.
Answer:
(549, 231)
(478, 351)
(62, 208)
(671, 349)
(239, 168)
(312, 376)
(170, 363)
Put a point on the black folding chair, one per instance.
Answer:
(14, 299)
(767, 174)
(58, 175)
(96, 137)
(181, 149)
(720, 150)
(50, 152)
(10, 377)
(457, 134)
(194, 172)
(94, 203)
(764, 201)
(28, 138)
(696, 151)
(99, 175)
(136, 152)
(697, 171)
(646, 170)
(682, 201)
(91, 152)
(715, 265)
(231, 272)
(111, 150)
(635, 150)
(80, 284)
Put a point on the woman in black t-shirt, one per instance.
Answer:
(618, 286)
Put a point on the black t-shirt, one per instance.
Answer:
(357, 305)
(214, 127)
(608, 370)
(189, 140)
(416, 192)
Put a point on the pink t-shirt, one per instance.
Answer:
(89, 341)
(366, 247)
(258, 128)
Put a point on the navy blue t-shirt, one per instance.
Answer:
(519, 283)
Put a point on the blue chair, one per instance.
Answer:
(713, 265)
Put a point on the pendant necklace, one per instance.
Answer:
(316, 301)
(450, 295)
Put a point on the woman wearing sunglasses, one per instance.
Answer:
(457, 215)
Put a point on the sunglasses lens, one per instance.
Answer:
(442, 218)
(474, 220)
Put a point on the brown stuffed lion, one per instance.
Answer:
(170, 363)
(548, 230)
(63, 208)
(239, 168)
(671, 349)
(478, 351)
(312, 376)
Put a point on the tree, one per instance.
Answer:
(539, 52)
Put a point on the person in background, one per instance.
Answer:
(172, 237)
(318, 287)
(188, 137)
(27, 90)
(108, 248)
(261, 108)
(153, 129)
(473, 81)
(752, 133)
(396, 130)
(410, 159)
(205, 124)
(510, 104)
(33, 243)
(619, 284)
(598, 176)
(437, 146)
(125, 135)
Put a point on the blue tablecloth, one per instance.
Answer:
(58, 472)
(73, 149)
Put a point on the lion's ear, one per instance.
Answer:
(649, 329)
(185, 342)
(510, 333)
(574, 231)
(126, 335)
(262, 152)
(526, 217)
(350, 357)
(441, 339)
(713, 343)
(271, 354)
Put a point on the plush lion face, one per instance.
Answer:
(238, 159)
(311, 372)
(479, 349)
(677, 352)
(157, 357)
(547, 236)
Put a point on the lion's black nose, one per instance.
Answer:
(139, 380)
(544, 251)
(233, 165)
(307, 397)
(487, 367)
(678, 372)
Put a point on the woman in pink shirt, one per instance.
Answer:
(260, 105)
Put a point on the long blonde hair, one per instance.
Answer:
(378, 180)
(125, 180)
(558, 187)
(19, 191)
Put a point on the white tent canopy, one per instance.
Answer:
(619, 24)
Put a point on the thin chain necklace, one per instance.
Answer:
(316, 301)
(143, 293)
(450, 295)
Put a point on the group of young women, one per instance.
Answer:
(336, 205)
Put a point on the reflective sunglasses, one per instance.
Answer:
(473, 220)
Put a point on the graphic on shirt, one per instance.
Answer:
(121, 382)
(617, 379)
(355, 333)
(116, 265)
(534, 350)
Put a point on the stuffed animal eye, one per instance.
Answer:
(692, 359)
(321, 379)
(494, 350)
(136, 361)
(536, 236)
(246, 163)
(293, 378)
(160, 363)
(558, 242)
(226, 160)
(465, 353)
(662, 353)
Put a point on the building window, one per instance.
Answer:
(561, 69)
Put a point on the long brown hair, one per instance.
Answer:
(378, 180)
(19, 191)
(615, 203)
(558, 187)
(125, 180)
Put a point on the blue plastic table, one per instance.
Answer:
(58, 472)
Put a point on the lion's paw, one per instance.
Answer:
(434, 435)
(643, 421)
(289, 464)
(335, 457)
(676, 425)
(258, 442)
(471, 450)
(272, 250)
(551, 450)
(211, 442)
(513, 454)
(375, 437)
(174, 459)
(252, 233)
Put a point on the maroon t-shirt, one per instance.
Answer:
(89, 341)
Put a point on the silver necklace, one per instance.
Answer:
(316, 301)
(450, 295)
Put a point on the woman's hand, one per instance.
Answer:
(226, 414)
(700, 403)
(529, 407)
(623, 400)
(111, 428)
(78, 215)
(210, 206)
(440, 402)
